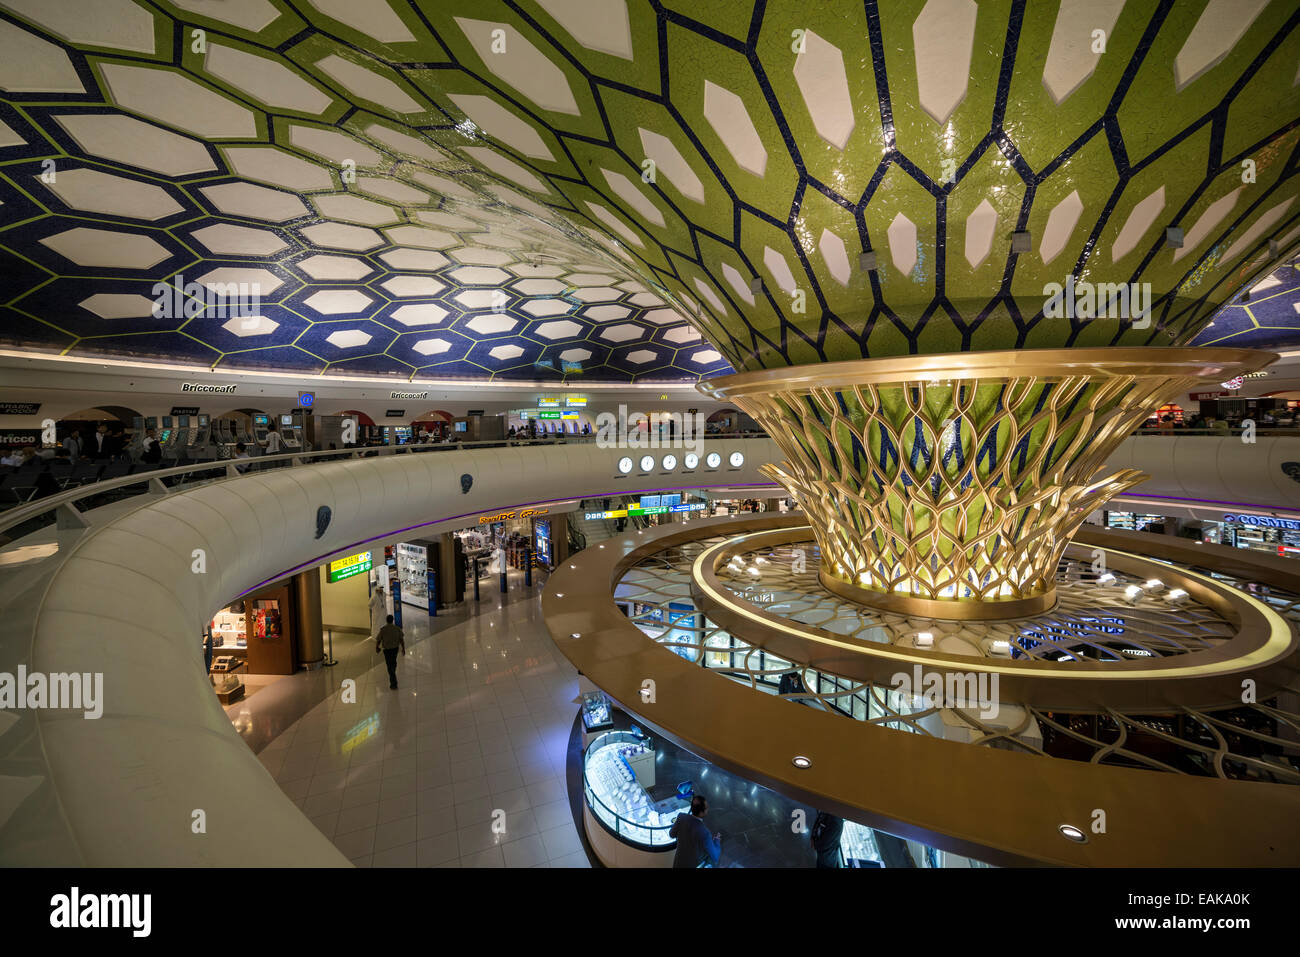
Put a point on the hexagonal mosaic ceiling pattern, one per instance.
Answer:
(539, 189)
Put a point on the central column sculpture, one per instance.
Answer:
(948, 486)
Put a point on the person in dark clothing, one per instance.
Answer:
(827, 830)
(696, 847)
(389, 640)
(102, 445)
(151, 448)
(790, 683)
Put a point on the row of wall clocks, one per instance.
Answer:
(690, 461)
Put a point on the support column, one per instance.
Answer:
(311, 639)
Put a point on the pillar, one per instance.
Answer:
(311, 639)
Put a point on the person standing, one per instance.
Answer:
(389, 640)
(378, 608)
(274, 444)
(827, 830)
(101, 443)
(150, 448)
(73, 444)
(696, 847)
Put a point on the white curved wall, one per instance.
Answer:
(122, 600)
(1215, 468)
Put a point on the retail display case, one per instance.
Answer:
(617, 805)
(413, 573)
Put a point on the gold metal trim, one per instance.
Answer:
(986, 609)
(1264, 645)
(1094, 362)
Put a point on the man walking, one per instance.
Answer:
(389, 640)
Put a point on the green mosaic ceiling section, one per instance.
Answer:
(924, 131)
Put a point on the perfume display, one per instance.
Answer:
(229, 629)
(618, 799)
(413, 573)
(595, 710)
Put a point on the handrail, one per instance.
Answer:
(29, 510)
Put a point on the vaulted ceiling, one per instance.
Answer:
(560, 189)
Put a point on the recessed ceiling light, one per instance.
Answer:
(1072, 833)
(801, 762)
(576, 634)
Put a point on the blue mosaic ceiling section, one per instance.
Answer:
(377, 169)
(1267, 316)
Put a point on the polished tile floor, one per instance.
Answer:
(462, 766)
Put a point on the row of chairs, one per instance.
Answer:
(41, 477)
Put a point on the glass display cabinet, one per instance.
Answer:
(616, 798)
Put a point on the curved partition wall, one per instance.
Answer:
(126, 599)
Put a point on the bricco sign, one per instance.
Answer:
(507, 516)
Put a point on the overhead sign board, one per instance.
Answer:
(204, 387)
(184, 410)
(19, 408)
(343, 568)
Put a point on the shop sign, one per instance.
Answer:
(1265, 521)
(508, 516)
(184, 410)
(408, 395)
(19, 408)
(395, 413)
(343, 568)
(306, 400)
(473, 412)
(1202, 396)
(204, 387)
(20, 439)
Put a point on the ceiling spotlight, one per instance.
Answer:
(1105, 579)
(1174, 236)
(1001, 647)
(1021, 241)
(1133, 593)
(1153, 584)
(801, 762)
(576, 634)
(924, 639)
(1072, 833)
(867, 261)
(1176, 594)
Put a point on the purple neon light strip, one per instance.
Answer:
(478, 511)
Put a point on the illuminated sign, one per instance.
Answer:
(651, 510)
(507, 516)
(1265, 521)
(306, 399)
(575, 401)
(343, 568)
(572, 416)
(550, 402)
(548, 415)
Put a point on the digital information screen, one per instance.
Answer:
(347, 567)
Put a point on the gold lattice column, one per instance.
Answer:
(949, 485)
